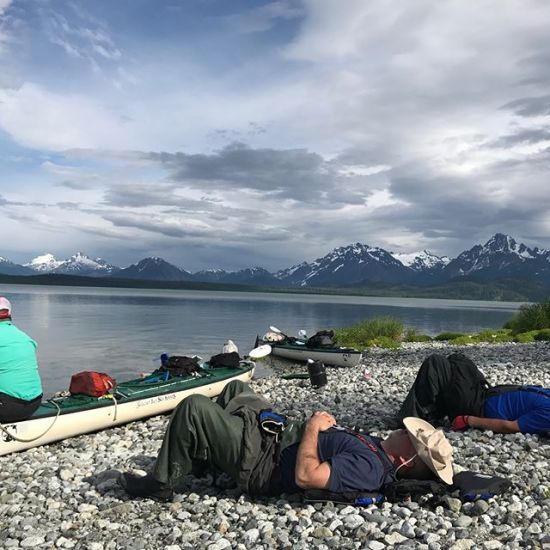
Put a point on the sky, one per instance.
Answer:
(220, 134)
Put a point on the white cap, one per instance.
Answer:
(5, 305)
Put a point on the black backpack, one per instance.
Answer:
(179, 365)
(225, 360)
(321, 339)
(467, 391)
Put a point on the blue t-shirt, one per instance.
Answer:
(354, 465)
(531, 408)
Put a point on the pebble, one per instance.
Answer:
(492, 544)
(353, 521)
(453, 504)
(66, 495)
(407, 530)
(463, 544)
(463, 521)
(31, 542)
(479, 508)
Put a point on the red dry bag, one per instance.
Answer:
(94, 384)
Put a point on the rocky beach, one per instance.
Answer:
(66, 495)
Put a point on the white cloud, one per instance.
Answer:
(40, 119)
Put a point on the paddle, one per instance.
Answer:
(260, 351)
(277, 331)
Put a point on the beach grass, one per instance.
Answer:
(379, 332)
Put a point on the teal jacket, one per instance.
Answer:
(19, 375)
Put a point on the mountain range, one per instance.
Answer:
(355, 265)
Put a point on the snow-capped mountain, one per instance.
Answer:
(46, 263)
(347, 265)
(210, 275)
(77, 264)
(424, 261)
(501, 257)
(80, 264)
(154, 269)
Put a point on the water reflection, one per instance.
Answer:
(121, 331)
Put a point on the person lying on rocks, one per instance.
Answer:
(454, 387)
(240, 435)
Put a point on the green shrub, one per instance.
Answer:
(526, 337)
(383, 342)
(361, 335)
(530, 317)
(464, 339)
(448, 336)
(412, 336)
(500, 335)
(543, 335)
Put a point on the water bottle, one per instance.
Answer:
(317, 373)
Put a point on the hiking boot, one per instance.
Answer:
(145, 487)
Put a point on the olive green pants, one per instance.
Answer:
(202, 433)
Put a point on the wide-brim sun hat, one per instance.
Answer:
(432, 447)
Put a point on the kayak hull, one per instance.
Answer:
(94, 414)
(339, 357)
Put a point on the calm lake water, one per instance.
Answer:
(123, 331)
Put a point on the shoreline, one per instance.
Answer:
(375, 292)
(65, 495)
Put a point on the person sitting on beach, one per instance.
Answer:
(240, 435)
(20, 385)
(454, 387)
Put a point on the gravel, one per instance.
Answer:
(66, 495)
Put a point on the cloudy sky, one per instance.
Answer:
(231, 134)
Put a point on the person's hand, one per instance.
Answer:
(321, 421)
(460, 423)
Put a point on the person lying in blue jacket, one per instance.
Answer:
(454, 387)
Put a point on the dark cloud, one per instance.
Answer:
(76, 185)
(530, 106)
(172, 228)
(524, 136)
(157, 225)
(296, 174)
(153, 194)
(68, 205)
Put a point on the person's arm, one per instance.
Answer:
(495, 424)
(310, 472)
